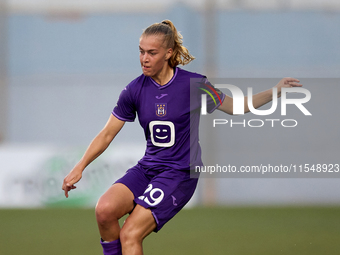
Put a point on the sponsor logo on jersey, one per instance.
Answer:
(162, 133)
(161, 109)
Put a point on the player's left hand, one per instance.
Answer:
(288, 83)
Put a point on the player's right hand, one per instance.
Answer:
(73, 177)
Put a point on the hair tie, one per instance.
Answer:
(165, 23)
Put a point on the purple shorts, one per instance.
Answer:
(165, 194)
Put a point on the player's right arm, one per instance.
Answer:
(96, 147)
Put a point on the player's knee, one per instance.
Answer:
(105, 212)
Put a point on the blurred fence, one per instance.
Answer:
(31, 175)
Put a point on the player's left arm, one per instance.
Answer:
(261, 98)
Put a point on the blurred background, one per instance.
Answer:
(64, 63)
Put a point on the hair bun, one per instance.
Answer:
(172, 39)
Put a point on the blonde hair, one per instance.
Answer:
(173, 40)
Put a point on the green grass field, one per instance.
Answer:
(236, 231)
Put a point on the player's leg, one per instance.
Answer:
(166, 194)
(137, 226)
(115, 203)
(112, 205)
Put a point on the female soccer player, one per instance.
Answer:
(159, 186)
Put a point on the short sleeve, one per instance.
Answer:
(214, 96)
(125, 109)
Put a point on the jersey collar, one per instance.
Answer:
(169, 83)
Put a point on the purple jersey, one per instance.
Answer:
(169, 115)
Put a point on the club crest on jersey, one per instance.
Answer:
(161, 110)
